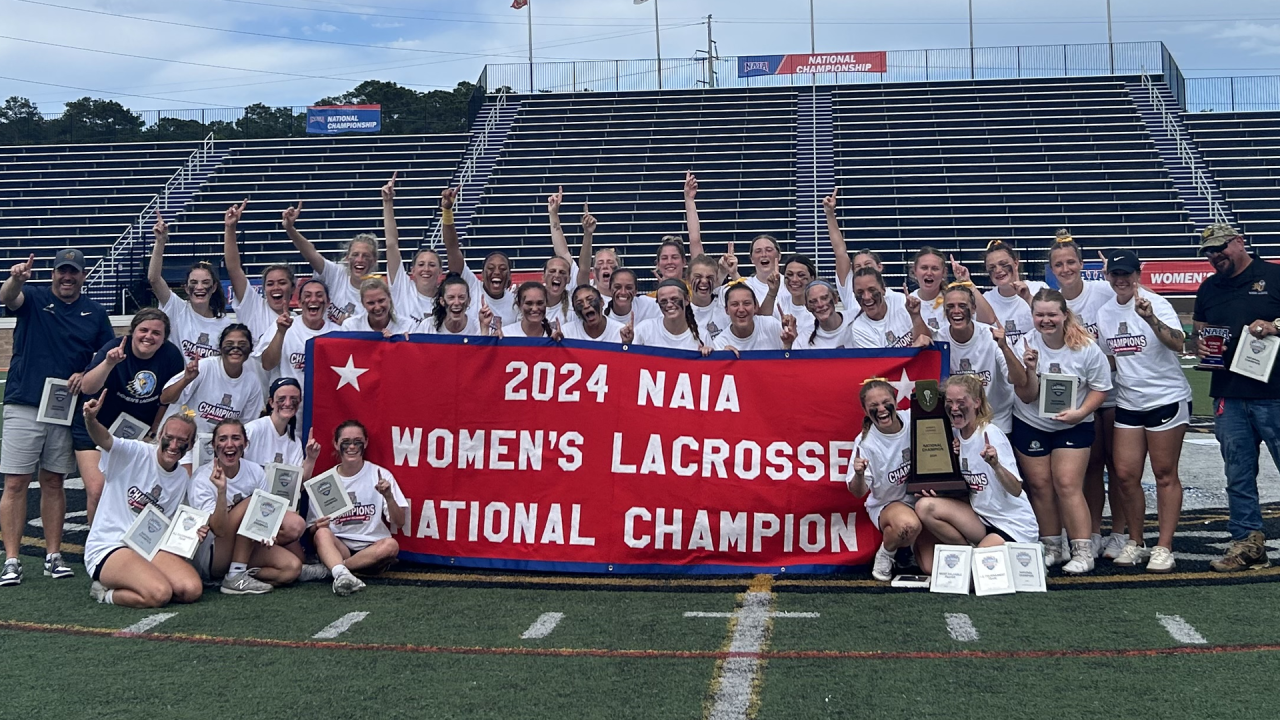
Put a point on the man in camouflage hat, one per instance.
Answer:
(1242, 297)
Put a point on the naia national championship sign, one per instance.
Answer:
(869, 62)
(585, 457)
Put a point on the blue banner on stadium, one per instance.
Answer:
(333, 119)
(753, 65)
(1092, 271)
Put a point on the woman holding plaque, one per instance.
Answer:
(274, 438)
(379, 311)
(829, 330)
(677, 328)
(532, 301)
(879, 472)
(1010, 299)
(1067, 379)
(449, 316)
(1085, 298)
(747, 331)
(1143, 336)
(998, 510)
(882, 321)
(982, 351)
(625, 305)
(138, 474)
(222, 488)
(359, 540)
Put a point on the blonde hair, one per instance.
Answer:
(973, 388)
(1073, 331)
(368, 239)
(374, 283)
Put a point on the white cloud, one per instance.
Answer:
(1258, 39)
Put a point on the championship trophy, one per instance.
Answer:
(935, 467)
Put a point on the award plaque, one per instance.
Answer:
(147, 531)
(285, 481)
(1026, 560)
(1215, 340)
(204, 449)
(262, 518)
(991, 572)
(57, 403)
(951, 567)
(1057, 393)
(934, 465)
(128, 427)
(182, 538)
(1255, 356)
(328, 495)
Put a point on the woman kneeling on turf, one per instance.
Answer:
(222, 488)
(881, 464)
(137, 474)
(359, 540)
(997, 511)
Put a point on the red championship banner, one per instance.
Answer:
(586, 457)
(1176, 276)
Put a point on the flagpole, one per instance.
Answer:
(529, 17)
(657, 38)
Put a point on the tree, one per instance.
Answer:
(407, 111)
(21, 122)
(92, 120)
(175, 129)
(262, 121)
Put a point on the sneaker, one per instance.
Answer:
(1081, 558)
(243, 583)
(1132, 555)
(1161, 560)
(346, 584)
(1246, 554)
(55, 568)
(312, 572)
(1054, 554)
(12, 573)
(1114, 544)
(882, 570)
(98, 591)
(1096, 544)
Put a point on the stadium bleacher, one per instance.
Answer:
(1242, 150)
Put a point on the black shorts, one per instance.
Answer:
(1034, 442)
(80, 439)
(97, 572)
(1164, 417)
(993, 530)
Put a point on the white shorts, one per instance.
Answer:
(28, 443)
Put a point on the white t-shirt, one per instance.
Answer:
(981, 356)
(1088, 364)
(204, 496)
(760, 288)
(503, 309)
(1148, 374)
(932, 312)
(409, 303)
(1086, 305)
(214, 396)
(644, 308)
(894, 330)
(987, 495)
(254, 312)
(654, 334)
(267, 446)
(1013, 311)
(888, 465)
(712, 319)
(133, 480)
(783, 305)
(344, 298)
(850, 302)
(428, 327)
(367, 521)
(195, 335)
(612, 332)
(293, 354)
(765, 336)
(516, 329)
(360, 323)
(823, 340)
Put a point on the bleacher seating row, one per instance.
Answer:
(1242, 150)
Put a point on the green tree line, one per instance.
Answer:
(92, 120)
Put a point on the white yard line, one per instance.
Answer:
(961, 627)
(339, 626)
(1181, 630)
(696, 614)
(146, 623)
(738, 671)
(543, 626)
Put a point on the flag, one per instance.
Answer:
(518, 4)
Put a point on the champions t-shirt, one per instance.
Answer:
(344, 298)
(369, 520)
(194, 334)
(1234, 303)
(268, 446)
(1013, 311)
(133, 480)
(712, 319)
(428, 327)
(987, 495)
(888, 465)
(360, 323)
(503, 308)
(134, 385)
(981, 356)
(1148, 374)
(293, 353)
(643, 308)
(932, 312)
(214, 396)
(894, 330)
(1088, 364)
(813, 337)
(766, 335)
(204, 496)
(653, 333)
(409, 303)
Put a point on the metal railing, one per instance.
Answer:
(105, 276)
(468, 168)
(1199, 179)
(1233, 94)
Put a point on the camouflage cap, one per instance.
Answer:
(1216, 236)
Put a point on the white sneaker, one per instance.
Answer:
(1161, 560)
(346, 583)
(1132, 555)
(1095, 542)
(98, 592)
(1081, 558)
(882, 569)
(313, 571)
(1054, 553)
(1114, 544)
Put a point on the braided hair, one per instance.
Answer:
(689, 317)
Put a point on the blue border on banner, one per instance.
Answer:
(623, 569)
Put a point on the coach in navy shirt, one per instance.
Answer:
(57, 333)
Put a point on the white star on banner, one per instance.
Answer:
(904, 386)
(349, 374)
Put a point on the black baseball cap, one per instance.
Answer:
(1123, 261)
(71, 257)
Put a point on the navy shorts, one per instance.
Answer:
(993, 530)
(80, 439)
(1034, 442)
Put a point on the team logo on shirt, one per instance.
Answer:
(895, 342)
(933, 323)
(964, 464)
(138, 499)
(199, 349)
(1093, 329)
(1126, 344)
(217, 412)
(890, 340)
(1259, 287)
(898, 475)
(966, 368)
(359, 514)
(142, 384)
(713, 329)
(1011, 332)
(1055, 368)
(977, 482)
(279, 458)
(1035, 445)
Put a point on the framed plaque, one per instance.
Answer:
(204, 449)
(1255, 356)
(1215, 340)
(1057, 393)
(328, 495)
(991, 572)
(285, 481)
(1027, 562)
(57, 402)
(182, 538)
(951, 568)
(147, 531)
(262, 518)
(128, 427)
(935, 467)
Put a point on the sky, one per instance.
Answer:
(230, 53)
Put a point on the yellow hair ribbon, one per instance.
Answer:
(1063, 236)
(994, 243)
(870, 380)
(961, 283)
(187, 413)
(937, 301)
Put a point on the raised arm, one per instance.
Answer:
(982, 311)
(559, 242)
(271, 354)
(395, 513)
(584, 253)
(96, 378)
(155, 270)
(231, 250)
(1017, 374)
(691, 214)
(453, 251)
(313, 256)
(170, 394)
(389, 228)
(1028, 391)
(99, 434)
(11, 292)
(844, 265)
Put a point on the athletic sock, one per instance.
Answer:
(49, 557)
(339, 569)
(109, 597)
(237, 568)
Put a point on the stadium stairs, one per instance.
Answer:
(815, 174)
(488, 135)
(1243, 151)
